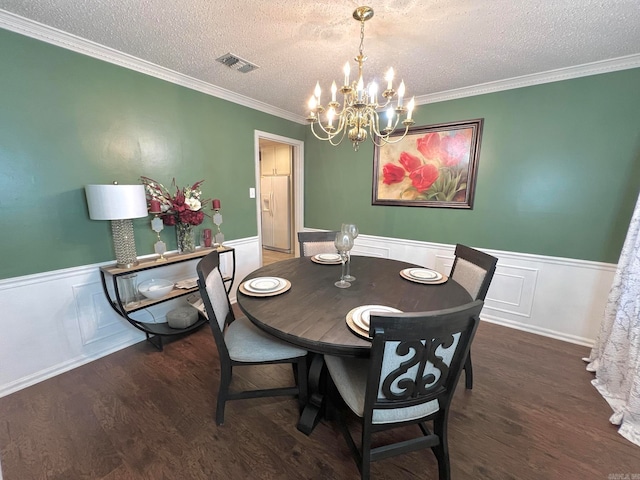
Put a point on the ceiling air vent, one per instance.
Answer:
(236, 63)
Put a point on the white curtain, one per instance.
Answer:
(615, 357)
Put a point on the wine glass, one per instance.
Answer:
(343, 243)
(352, 230)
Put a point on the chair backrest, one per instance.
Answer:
(473, 270)
(314, 243)
(215, 298)
(416, 360)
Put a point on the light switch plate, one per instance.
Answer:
(252, 193)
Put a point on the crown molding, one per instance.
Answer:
(587, 69)
(38, 31)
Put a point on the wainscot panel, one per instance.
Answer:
(56, 321)
(560, 298)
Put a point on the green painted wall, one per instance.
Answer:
(559, 173)
(559, 169)
(67, 120)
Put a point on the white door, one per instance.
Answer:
(295, 149)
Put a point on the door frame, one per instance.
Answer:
(297, 177)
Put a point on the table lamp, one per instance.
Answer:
(118, 203)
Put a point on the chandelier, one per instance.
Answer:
(359, 117)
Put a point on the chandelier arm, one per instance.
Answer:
(329, 135)
(385, 139)
(335, 144)
(376, 126)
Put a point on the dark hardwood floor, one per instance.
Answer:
(144, 414)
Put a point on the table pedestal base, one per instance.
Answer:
(313, 411)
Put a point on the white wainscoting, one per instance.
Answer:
(557, 297)
(55, 321)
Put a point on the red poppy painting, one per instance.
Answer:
(432, 166)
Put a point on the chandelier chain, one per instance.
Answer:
(361, 36)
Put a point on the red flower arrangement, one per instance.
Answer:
(184, 206)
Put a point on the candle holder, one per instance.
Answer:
(157, 226)
(205, 238)
(219, 236)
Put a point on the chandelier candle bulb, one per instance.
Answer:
(312, 107)
(360, 88)
(346, 71)
(410, 107)
(317, 93)
(389, 78)
(334, 89)
(400, 93)
(389, 117)
(373, 92)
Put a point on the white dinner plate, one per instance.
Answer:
(361, 315)
(423, 274)
(264, 284)
(328, 257)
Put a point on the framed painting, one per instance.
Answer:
(432, 166)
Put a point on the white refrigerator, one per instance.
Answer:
(275, 195)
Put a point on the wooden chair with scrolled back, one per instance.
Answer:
(409, 379)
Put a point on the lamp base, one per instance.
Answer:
(127, 265)
(124, 243)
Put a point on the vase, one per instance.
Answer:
(186, 241)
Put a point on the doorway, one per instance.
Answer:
(279, 165)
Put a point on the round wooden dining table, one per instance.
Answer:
(312, 313)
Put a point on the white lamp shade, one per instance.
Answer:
(116, 202)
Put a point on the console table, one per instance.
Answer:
(155, 331)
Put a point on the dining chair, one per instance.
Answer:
(473, 270)
(239, 342)
(314, 243)
(409, 379)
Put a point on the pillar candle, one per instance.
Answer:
(216, 204)
(154, 206)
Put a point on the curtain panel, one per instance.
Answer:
(615, 357)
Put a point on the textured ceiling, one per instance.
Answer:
(434, 45)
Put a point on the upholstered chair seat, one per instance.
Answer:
(247, 343)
